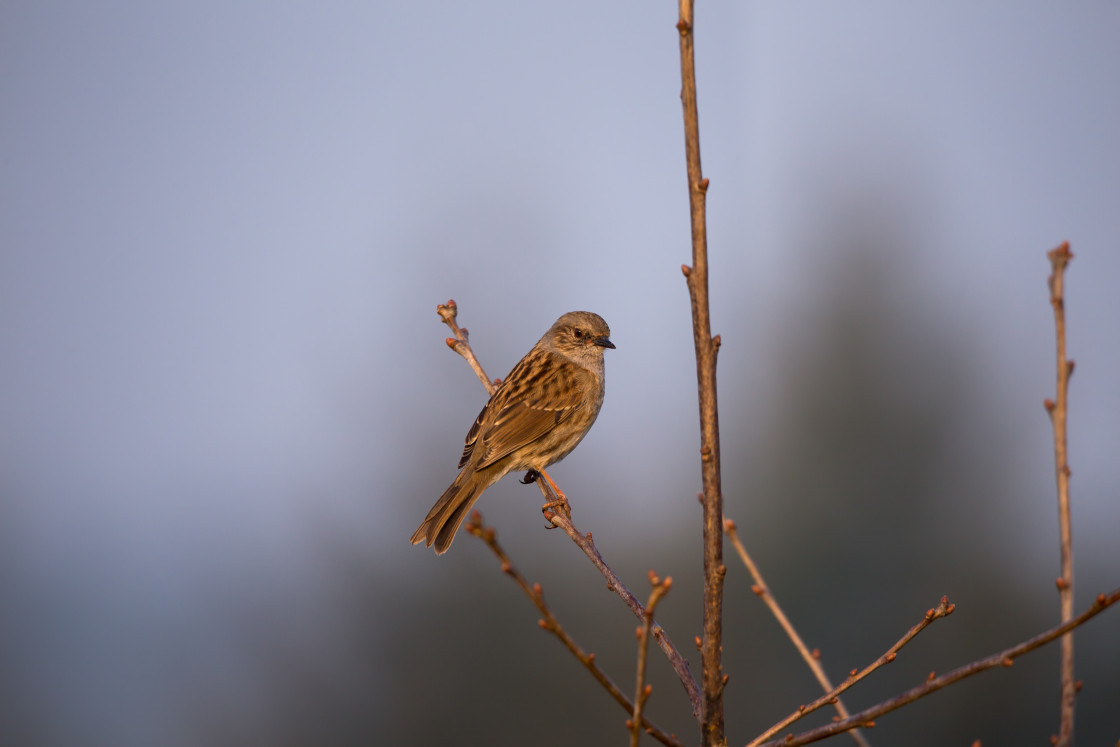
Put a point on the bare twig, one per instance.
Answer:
(943, 609)
(549, 623)
(1004, 658)
(562, 519)
(614, 584)
(707, 347)
(643, 690)
(447, 312)
(811, 658)
(1059, 410)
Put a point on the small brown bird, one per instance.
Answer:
(536, 417)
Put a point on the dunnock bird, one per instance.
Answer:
(536, 417)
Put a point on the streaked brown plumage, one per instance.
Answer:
(537, 416)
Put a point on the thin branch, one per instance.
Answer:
(811, 658)
(1004, 658)
(943, 609)
(614, 584)
(461, 345)
(707, 347)
(447, 312)
(1059, 258)
(549, 623)
(642, 691)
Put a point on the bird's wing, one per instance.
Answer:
(527, 406)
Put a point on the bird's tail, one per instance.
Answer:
(442, 522)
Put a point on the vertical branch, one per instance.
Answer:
(642, 691)
(706, 348)
(1059, 258)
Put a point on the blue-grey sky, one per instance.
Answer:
(224, 229)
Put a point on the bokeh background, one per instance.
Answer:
(226, 402)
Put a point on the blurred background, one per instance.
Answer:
(226, 402)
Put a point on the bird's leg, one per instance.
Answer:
(561, 500)
(530, 477)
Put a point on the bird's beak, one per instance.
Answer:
(604, 342)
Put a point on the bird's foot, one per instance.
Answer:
(560, 501)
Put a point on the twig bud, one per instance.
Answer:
(686, 270)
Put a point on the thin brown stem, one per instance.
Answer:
(643, 691)
(550, 623)
(707, 347)
(812, 659)
(1059, 259)
(943, 609)
(563, 519)
(448, 312)
(586, 543)
(1004, 658)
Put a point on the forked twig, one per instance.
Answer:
(1004, 658)
(461, 345)
(812, 658)
(943, 609)
(614, 584)
(642, 691)
(1059, 258)
(548, 622)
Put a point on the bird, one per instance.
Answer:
(536, 416)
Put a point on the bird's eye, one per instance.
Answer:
(579, 334)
